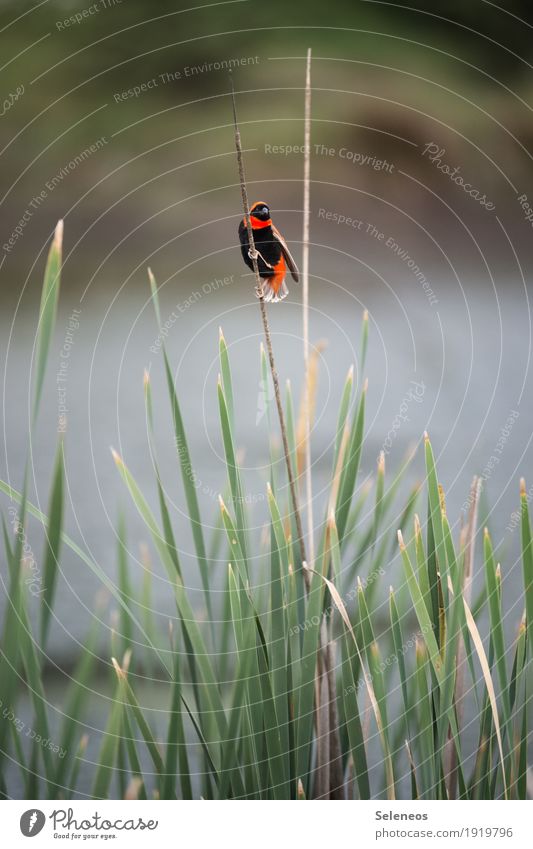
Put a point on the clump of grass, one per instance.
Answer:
(246, 688)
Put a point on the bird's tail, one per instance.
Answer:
(274, 290)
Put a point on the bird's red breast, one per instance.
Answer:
(259, 225)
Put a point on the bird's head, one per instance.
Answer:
(260, 211)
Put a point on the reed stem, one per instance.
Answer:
(305, 306)
(268, 338)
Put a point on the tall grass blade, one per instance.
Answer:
(187, 472)
(227, 384)
(527, 561)
(176, 748)
(126, 633)
(109, 748)
(349, 472)
(47, 313)
(53, 544)
(234, 477)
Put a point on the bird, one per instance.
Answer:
(273, 256)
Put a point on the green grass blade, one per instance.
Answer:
(279, 563)
(12, 633)
(176, 748)
(399, 653)
(76, 701)
(237, 556)
(77, 761)
(352, 717)
(306, 690)
(144, 728)
(291, 430)
(277, 755)
(234, 477)
(184, 458)
(496, 625)
(39, 701)
(146, 514)
(380, 489)
(435, 518)
(422, 567)
(246, 711)
(225, 370)
(424, 739)
(426, 624)
(53, 544)
(126, 634)
(351, 467)
(527, 561)
(47, 313)
(374, 661)
(131, 748)
(342, 417)
(109, 748)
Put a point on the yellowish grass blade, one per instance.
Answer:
(476, 638)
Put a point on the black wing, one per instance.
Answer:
(293, 268)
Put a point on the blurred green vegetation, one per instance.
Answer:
(129, 42)
(383, 75)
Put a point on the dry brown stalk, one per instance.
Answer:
(305, 308)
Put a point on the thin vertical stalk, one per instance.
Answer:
(305, 306)
(268, 339)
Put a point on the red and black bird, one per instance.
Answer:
(273, 256)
